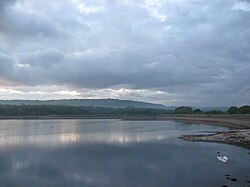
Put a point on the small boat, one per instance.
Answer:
(222, 158)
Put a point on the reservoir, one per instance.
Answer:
(116, 153)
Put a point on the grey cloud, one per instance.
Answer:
(6, 63)
(198, 52)
(4, 4)
(45, 59)
(17, 25)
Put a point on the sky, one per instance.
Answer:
(172, 52)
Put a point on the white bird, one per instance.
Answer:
(222, 158)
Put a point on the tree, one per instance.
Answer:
(244, 110)
(183, 110)
(197, 111)
(233, 110)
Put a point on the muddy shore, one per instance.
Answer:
(239, 133)
(233, 137)
(230, 121)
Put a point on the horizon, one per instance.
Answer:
(174, 53)
(140, 101)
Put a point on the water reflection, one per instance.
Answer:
(49, 133)
(63, 132)
(112, 153)
(14, 133)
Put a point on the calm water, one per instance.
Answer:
(114, 153)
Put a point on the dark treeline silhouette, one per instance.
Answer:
(183, 110)
(64, 110)
(40, 110)
(189, 110)
(241, 110)
(232, 110)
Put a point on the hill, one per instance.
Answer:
(110, 103)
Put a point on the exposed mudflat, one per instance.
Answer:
(231, 121)
(238, 135)
(234, 137)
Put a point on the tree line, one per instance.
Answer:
(241, 110)
(190, 110)
(232, 110)
(47, 110)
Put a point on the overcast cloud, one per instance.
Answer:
(174, 52)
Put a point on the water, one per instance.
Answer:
(114, 153)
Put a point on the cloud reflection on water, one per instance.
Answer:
(70, 138)
(92, 153)
(72, 132)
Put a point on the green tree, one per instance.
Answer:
(197, 111)
(233, 110)
(183, 110)
(244, 110)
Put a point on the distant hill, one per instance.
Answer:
(111, 103)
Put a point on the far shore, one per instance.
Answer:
(239, 125)
(231, 121)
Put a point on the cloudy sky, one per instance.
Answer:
(174, 52)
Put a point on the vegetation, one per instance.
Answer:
(91, 111)
(241, 110)
(233, 110)
(41, 110)
(197, 111)
(189, 110)
(183, 110)
(214, 112)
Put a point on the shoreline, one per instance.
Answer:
(239, 138)
(231, 121)
(238, 133)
